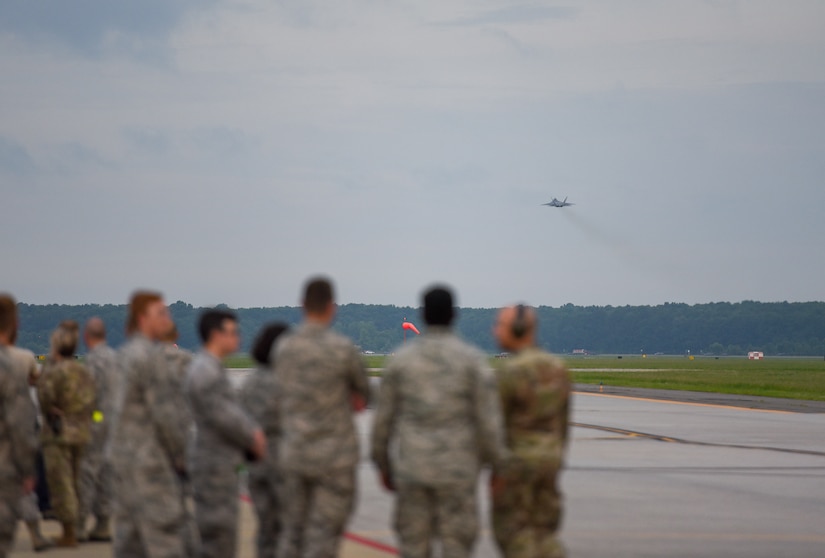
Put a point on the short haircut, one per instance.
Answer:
(212, 320)
(438, 306)
(262, 346)
(95, 328)
(8, 315)
(138, 304)
(318, 294)
(65, 338)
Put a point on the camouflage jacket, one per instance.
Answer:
(102, 363)
(149, 424)
(259, 397)
(438, 408)
(18, 440)
(66, 391)
(223, 430)
(534, 387)
(319, 371)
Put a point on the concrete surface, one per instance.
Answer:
(646, 478)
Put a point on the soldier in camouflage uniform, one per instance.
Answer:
(224, 435)
(95, 470)
(66, 391)
(18, 441)
(534, 387)
(259, 396)
(148, 439)
(438, 407)
(25, 365)
(177, 361)
(322, 380)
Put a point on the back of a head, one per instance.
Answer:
(438, 306)
(95, 329)
(8, 315)
(212, 320)
(138, 305)
(262, 347)
(318, 295)
(65, 338)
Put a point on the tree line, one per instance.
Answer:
(776, 328)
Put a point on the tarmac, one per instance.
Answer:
(646, 477)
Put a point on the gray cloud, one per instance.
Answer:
(84, 24)
(14, 158)
(522, 13)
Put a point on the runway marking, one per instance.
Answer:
(660, 438)
(352, 537)
(778, 537)
(690, 403)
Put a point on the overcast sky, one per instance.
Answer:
(223, 151)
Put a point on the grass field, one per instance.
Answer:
(790, 378)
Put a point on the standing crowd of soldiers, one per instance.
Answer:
(151, 438)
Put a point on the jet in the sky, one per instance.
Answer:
(557, 203)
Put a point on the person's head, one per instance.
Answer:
(438, 306)
(319, 300)
(8, 319)
(94, 333)
(218, 330)
(65, 338)
(262, 347)
(148, 315)
(515, 327)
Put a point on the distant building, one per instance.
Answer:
(580, 351)
(756, 355)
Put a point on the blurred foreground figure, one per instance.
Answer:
(66, 391)
(25, 364)
(439, 408)
(177, 361)
(148, 440)
(534, 387)
(18, 440)
(95, 469)
(259, 396)
(322, 380)
(224, 435)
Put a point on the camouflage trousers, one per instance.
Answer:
(150, 518)
(95, 486)
(29, 511)
(526, 513)
(314, 512)
(9, 513)
(265, 487)
(215, 492)
(62, 476)
(426, 514)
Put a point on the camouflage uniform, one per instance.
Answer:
(69, 387)
(95, 471)
(148, 455)
(223, 433)
(259, 397)
(319, 371)
(18, 446)
(535, 397)
(177, 361)
(437, 405)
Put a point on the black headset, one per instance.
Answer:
(520, 325)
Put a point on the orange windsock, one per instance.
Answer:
(411, 327)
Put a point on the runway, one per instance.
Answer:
(657, 478)
(652, 478)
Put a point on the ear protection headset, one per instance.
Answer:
(520, 326)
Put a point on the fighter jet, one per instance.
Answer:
(557, 203)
